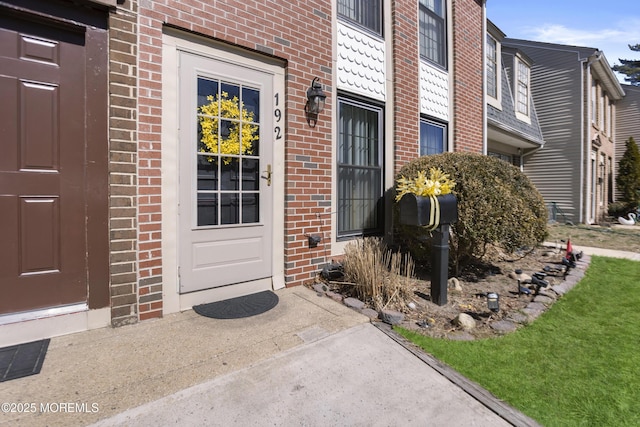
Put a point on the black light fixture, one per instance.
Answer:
(493, 302)
(315, 100)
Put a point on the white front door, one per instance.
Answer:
(225, 228)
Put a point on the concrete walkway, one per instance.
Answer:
(309, 361)
(634, 256)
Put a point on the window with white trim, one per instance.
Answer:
(360, 168)
(433, 137)
(601, 110)
(365, 13)
(610, 119)
(492, 67)
(522, 88)
(593, 101)
(433, 31)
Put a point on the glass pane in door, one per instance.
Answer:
(228, 153)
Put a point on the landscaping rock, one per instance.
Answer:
(536, 306)
(370, 313)
(518, 317)
(334, 296)
(534, 310)
(320, 288)
(391, 317)
(460, 336)
(504, 326)
(454, 284)
(544, 299)
(465, 321)
(353, 303)
(522, 277)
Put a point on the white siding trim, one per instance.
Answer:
(360, 63)
(434, 92)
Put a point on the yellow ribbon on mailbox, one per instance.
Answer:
(434, 214)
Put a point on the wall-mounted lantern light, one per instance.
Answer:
(315, 101)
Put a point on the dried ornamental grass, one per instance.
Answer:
(379, 276)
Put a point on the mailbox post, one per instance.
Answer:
(436, 214)
(440, 263)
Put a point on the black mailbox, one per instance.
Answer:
(417, 210)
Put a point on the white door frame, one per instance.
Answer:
(173, 42)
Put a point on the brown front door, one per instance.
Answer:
(44, 245)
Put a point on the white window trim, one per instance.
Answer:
(516, 64)
(362, 27)
(342, 99)
(445, 39)
(594, 102)
(497, 102)
(436, 123)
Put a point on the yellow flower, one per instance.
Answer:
(437, 183)
(238, 133)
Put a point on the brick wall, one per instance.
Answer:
(406, 82)
(468, 105)
(123, 163)
(298, 33)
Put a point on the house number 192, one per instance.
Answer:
(278, 115)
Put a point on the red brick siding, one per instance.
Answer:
(298, 33)
(468, 105)
(406, 82)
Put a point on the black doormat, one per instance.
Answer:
(239, 307)
(22, 360)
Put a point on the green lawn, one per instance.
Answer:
(576, 365)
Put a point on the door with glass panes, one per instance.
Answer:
(225, 192)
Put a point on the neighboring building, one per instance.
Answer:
(513, 131)
(575, 94)
(157, 154)
(627, 121)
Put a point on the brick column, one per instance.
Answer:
(406, 86)
(468, 87)
(123, 163)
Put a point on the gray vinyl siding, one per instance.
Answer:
(628, 122)
(506, 117)
(557, 88)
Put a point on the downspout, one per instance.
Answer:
(484, 78)
(585, 152)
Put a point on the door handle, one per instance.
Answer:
(268, 173)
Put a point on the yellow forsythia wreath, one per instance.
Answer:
(242, 131)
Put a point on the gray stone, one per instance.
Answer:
(536, 306)
(544, 299)
(460, 336)
(454, 284)
(391, 317)
(334, 296)
(320, 288)
(518, 317)
(504, 326)
(370, 313)
(531, 314)
(522, 276)
(353, 303)
(465, 321)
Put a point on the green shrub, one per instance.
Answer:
(628, 180)
(617, 209)
(497, 205)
